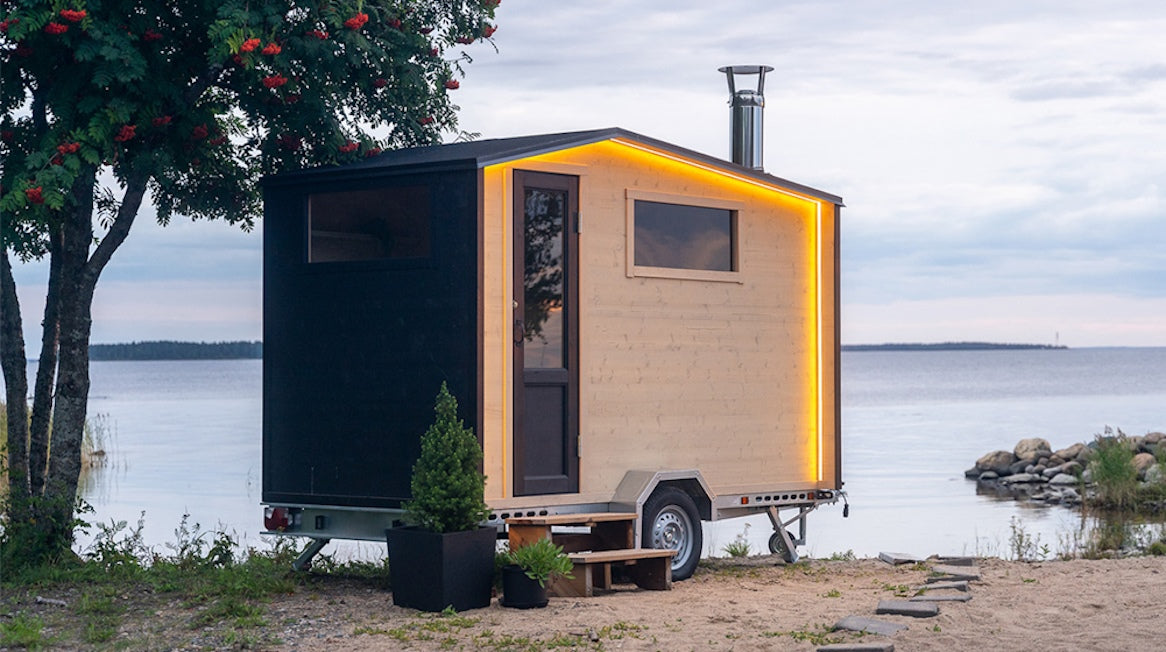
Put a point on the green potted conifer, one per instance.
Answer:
(444, 557)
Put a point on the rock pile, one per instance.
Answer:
(1035, 470)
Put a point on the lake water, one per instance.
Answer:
(184, 438)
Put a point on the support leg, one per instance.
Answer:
(304, 561)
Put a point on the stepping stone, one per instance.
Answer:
(956, 561)
(940, 598)
(908, 608)
(961, 585)
(858, 647)
(953, 573)
(868, 625)
(897, 558)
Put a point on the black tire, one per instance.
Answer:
(671, 522)
(777, 547)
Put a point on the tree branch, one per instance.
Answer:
(120, 228)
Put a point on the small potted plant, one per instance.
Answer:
(524, 580)
(444, 558)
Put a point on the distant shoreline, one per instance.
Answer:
(951, 346)
(169, 350)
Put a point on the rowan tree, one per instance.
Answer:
(183, 104)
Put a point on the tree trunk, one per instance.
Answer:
(78, 275)
(42, 403)
(15, 365)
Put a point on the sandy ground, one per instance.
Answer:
(760, 604)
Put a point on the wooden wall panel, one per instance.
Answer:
(676, 373)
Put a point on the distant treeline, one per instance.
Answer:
(166, 350)
(947, 346)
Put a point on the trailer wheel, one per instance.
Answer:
(777, 546)
(671, 523)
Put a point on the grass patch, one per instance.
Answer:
(23, 631)
(818, 635)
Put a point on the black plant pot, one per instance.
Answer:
(521, 592)
(431, 571)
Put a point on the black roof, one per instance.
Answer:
(481, 153)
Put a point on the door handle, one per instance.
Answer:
(519, 332)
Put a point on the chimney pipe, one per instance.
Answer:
(748, 106)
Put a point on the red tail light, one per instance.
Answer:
(276, 519)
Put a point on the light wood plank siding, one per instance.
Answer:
(677, 373)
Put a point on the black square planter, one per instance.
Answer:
(431, 571)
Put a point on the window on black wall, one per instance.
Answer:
(377, 224)
(685, 237)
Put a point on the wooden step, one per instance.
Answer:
(584, 519)
(628, 554)
(609, 530)
(649, 568)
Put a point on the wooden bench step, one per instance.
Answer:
(629, 554)
(649, 568)
(584, 519)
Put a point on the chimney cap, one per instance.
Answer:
(744, 70)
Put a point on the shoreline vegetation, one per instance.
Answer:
(952, 346)
(171, 350)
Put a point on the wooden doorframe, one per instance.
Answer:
(569, 183)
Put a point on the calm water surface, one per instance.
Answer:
(185, 439)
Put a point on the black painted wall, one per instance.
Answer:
(354, 352)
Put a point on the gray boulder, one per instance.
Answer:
(1072, 468)
(1031, 448)
(1071, 453)
(1154, 438)
(989, 475)
(1021, 478)
(1087, 476)
(1143, 461)
(1154, 475)
(1063, 479)
(997, 461)
(1051, 472)
(1017, 467)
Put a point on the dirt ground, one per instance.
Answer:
(753, 604)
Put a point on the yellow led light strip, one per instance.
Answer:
(819, 376)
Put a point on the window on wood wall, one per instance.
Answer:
(681, 237)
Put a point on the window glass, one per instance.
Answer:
(377, 224)
(684, 237)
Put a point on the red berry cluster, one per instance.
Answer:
(318, 34)
(348, 147)
(161, 121)
(250, 44)
(453, 84)
(56, 28)
(5, 24)
(34, 195)
(380, 82)
(426, 120)
(199, 132)
(73, 16)
(272, 49)
(373, 151)
(489, 30)
(126, 133)
(68, 148)
(274, 81)
(357, 21)
(150, 35)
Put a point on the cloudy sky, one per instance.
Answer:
(1002, 162)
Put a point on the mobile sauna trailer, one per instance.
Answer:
(627, 325)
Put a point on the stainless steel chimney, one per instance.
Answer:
(748, 106)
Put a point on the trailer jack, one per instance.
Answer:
(304, 561)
